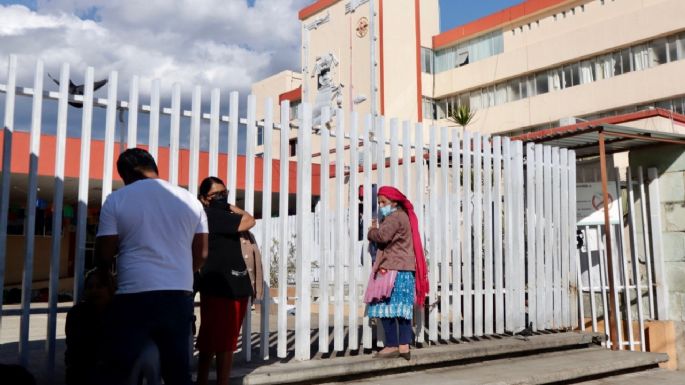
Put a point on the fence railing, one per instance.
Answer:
(639, 292)
(497, 219)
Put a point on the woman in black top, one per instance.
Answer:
(224, 285)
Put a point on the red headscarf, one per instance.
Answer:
(421, 270)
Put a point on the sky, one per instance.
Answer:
(458, 12)
(228, 44)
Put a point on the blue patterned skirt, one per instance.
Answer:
(401, 301)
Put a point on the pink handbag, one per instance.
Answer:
(380, 286)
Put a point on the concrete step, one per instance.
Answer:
(653, 376)
(546, 368)
(331, 369)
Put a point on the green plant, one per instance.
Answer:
(462, 115)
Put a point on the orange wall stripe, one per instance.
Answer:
(20, 163)
(493, 21)
(292, 95)
(317, 6)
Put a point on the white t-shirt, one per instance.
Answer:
(156, 222)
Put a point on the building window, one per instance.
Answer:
(624, 61)
(659, 52)
(429, 109)
(292, 147)
(672, 48)
(541, 83)
(640, 58)
(426, 60)
(513, 90)
(260, 135)
(681, 47)
(606, 66)
(294, 106)
(469, 51)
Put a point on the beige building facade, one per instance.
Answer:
(536, 65)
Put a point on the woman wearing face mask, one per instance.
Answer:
(225, 285)
(399, 249)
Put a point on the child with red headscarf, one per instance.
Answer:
(399, 249)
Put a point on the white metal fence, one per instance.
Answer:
(497, 219)
(639, 292)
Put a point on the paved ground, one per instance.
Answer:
(465, 374)
(540, 369)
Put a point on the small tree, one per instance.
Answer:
(462, 115)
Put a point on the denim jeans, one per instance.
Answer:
(391, 326)
(163, 317)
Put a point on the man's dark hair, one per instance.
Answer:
(132, 164)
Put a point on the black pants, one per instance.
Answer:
(163, 317)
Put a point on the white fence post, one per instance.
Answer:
(232, 154)
(8, 132)
(456, 216)
(477, 199)
(153, 141)
(194, 166)
(267, 187)
(446, 232)
(214, 118)
(325, 246)
(304, 172)
(434, 239)
(353, 337)
(27, 277)
(340, 231)
(132, 131)
(284, 234)
(60, 153)
(498, 234)
(509, 268)
(84, 169)
(657, 246)
(250, 179)
(366, 200)
(531, 218)
(420, 213)
(174, 136)
(467, 265)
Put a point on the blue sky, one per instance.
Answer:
(458, 12)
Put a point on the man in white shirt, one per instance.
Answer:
(158, 233)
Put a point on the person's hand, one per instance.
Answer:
(382, 270)
(374, 223)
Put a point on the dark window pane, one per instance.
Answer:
(672, 49)
(542, 83)
(625, 61)
(567, 80)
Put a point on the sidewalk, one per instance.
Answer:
(38, 365)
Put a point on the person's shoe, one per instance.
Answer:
(392, 354)
(406, 356)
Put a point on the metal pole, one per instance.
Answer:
(613, 327)
(372, 39)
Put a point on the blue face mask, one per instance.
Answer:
(386, 210)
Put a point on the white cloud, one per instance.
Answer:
(214, 43)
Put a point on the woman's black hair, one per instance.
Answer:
(207, 184)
